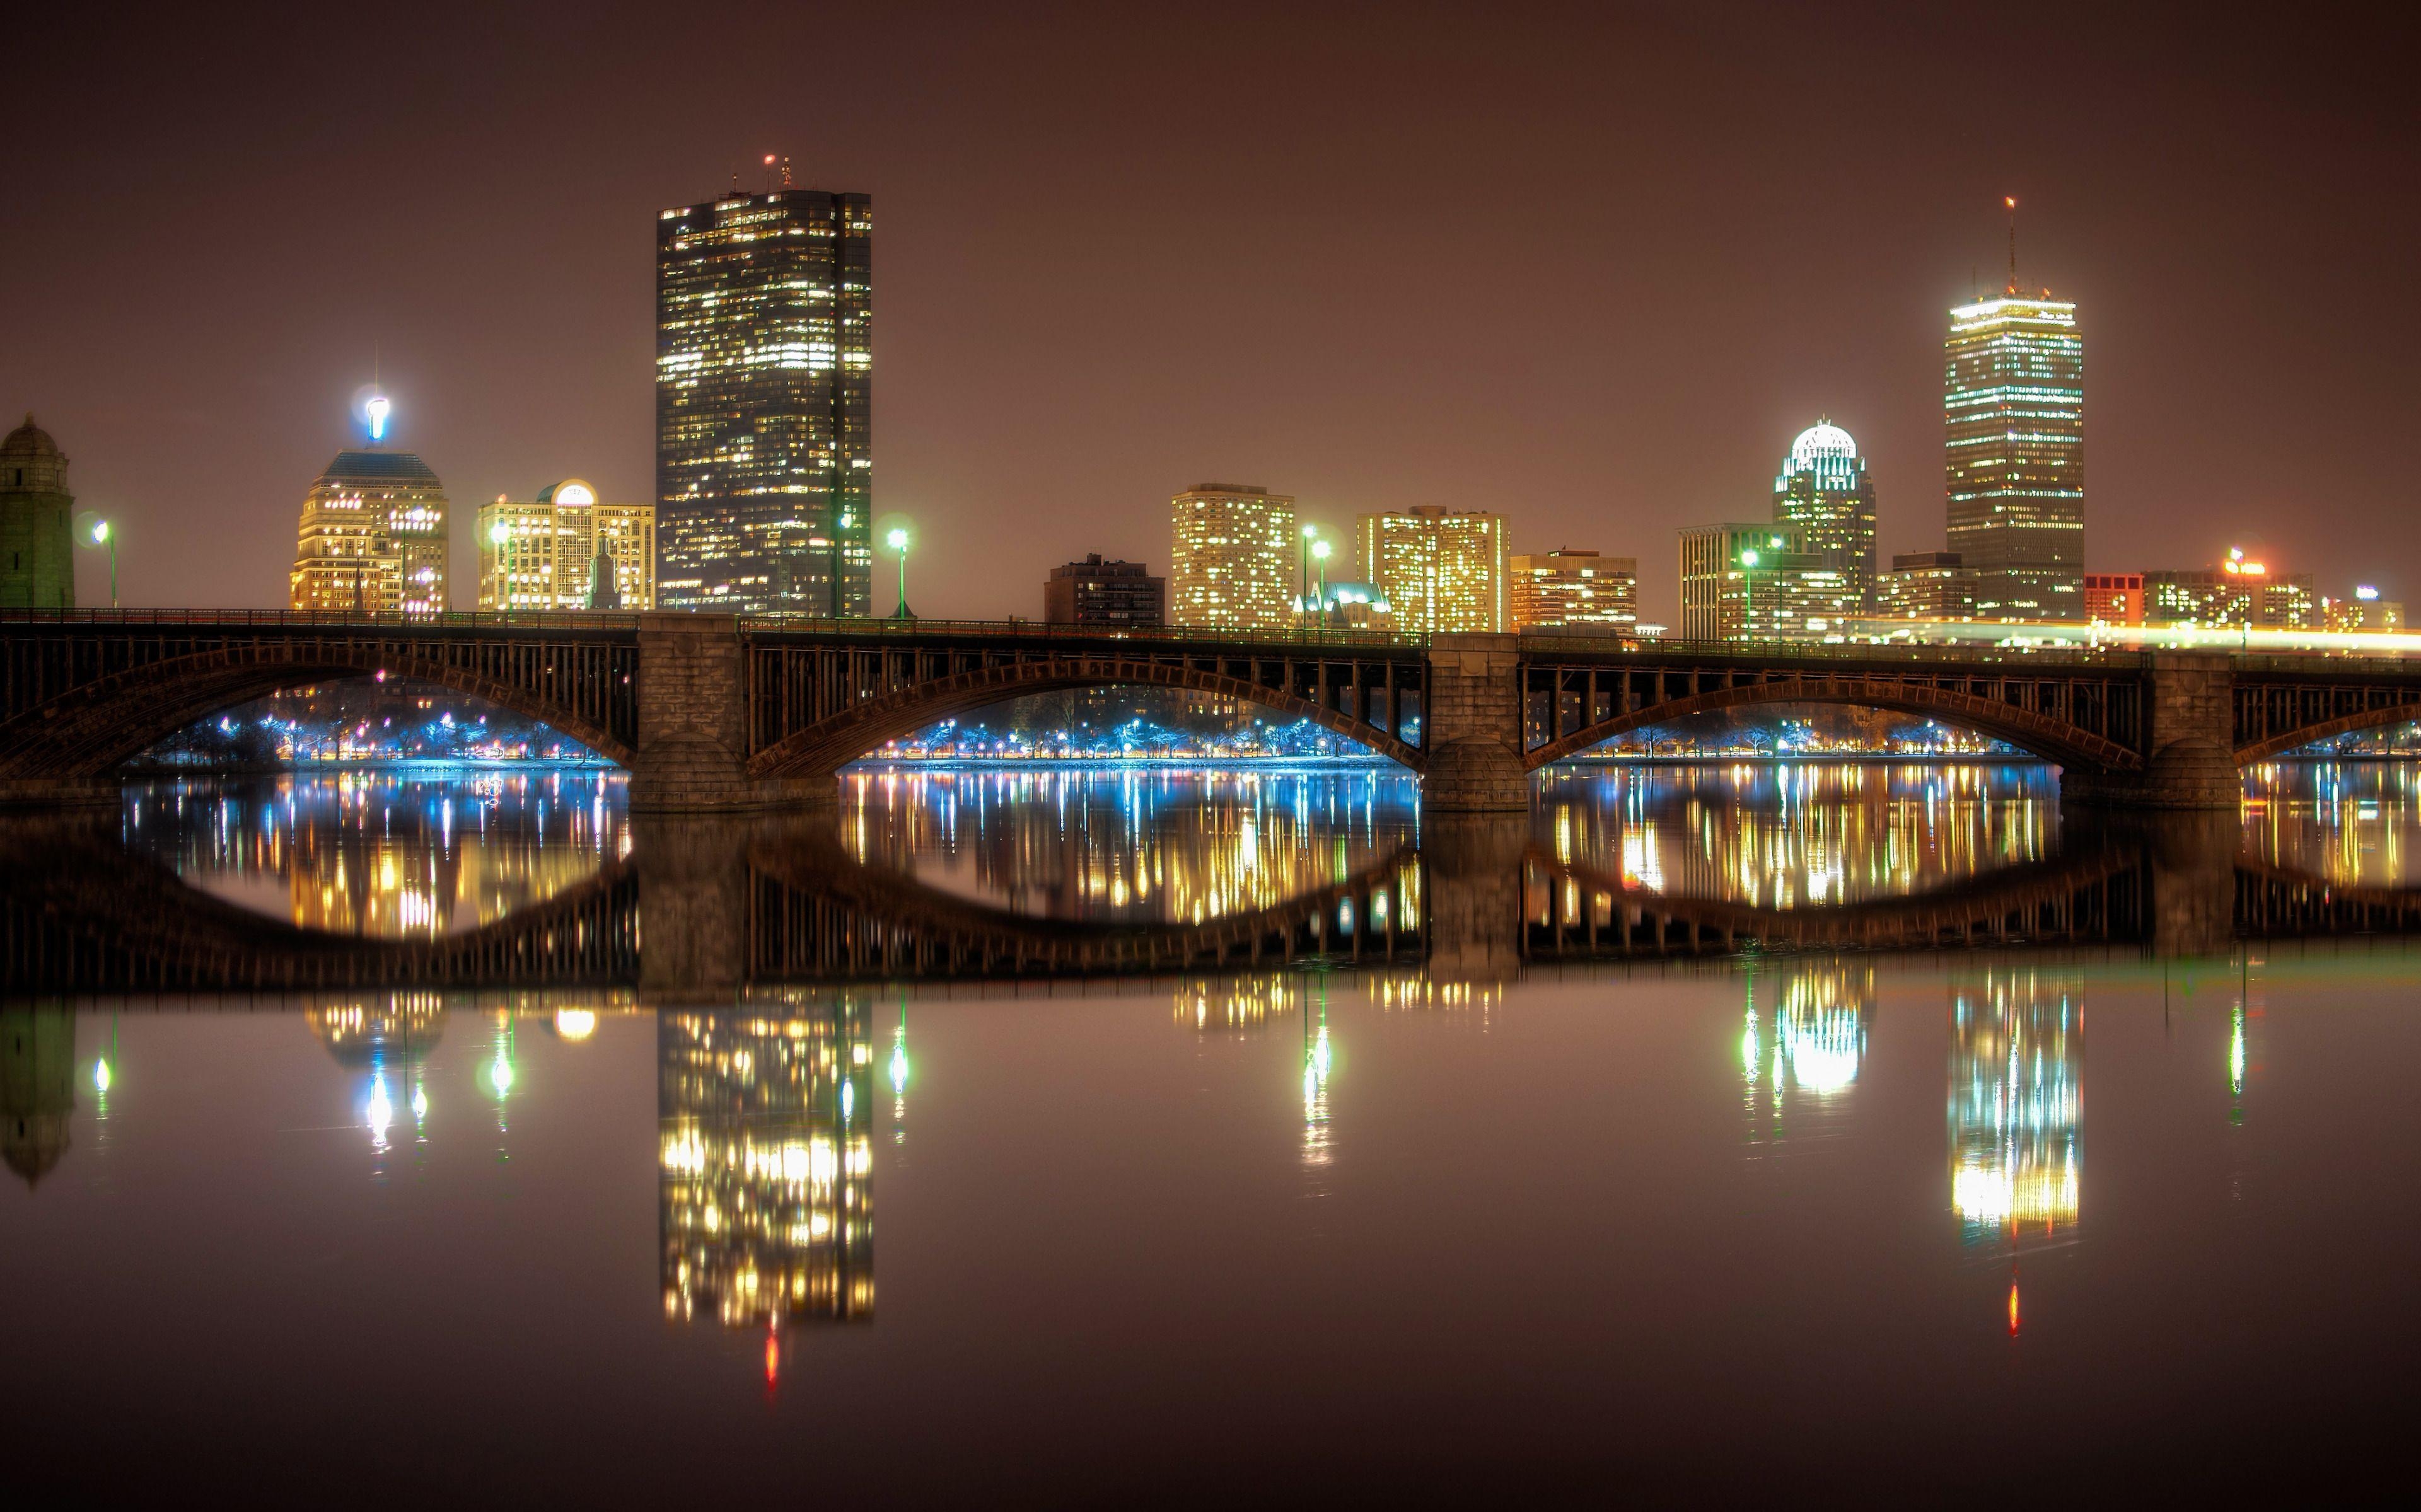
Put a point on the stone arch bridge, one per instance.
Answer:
(717, 713)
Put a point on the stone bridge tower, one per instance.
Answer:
(36, 542)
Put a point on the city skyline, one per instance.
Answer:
(533, 359)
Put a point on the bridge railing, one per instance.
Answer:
(1549, 642)
(270, 618)
(1042, 629)
(2335, 664)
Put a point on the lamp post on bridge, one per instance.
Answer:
(898, 541)
(1748, 611)
(92, 530)
(1319, 597)
(1302, 574)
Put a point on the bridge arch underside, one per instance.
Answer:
(2054, 740)
(89, 731)
(822, 748)
(2294, 740)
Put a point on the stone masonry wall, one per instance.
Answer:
(2189, 746)
(1474, 726)
(692, 750)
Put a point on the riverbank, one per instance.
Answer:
(419, 766)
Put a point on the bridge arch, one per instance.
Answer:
(2053, 740)
(822, 748)
(86, 731)
(2368, 719)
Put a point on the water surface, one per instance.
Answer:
(1800, 1223)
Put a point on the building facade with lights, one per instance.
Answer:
(764, 403)
(1823, 491)
(1233, 558)
(565, 549)
(1758, 582)
(1926, 585)
(2013, 412)
(1573, 586)
(1441, 570)
(372, 538)
(2114, 598)
(37, 523)
(2238, 591)
(2366, 610)
(1120, 594)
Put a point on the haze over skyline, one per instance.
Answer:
(1593, 270)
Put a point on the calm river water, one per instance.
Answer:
(1799, 1133)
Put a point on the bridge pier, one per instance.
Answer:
(2189, 741)
(1472, 867)
(691, 756)
(693, 903)
(1473, 734)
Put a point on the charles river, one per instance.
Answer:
(1016, 1135)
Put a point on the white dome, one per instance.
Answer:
(1822, 439)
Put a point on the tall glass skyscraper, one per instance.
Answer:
(2013, 407)
(1823, 490)
(764, 405)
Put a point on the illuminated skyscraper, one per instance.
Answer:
(2013, 410)
(1232, 558)
(764, 403)
(1824, 491)
(373, 535)
(1442, 570)
(564, 550)
(1573, 586)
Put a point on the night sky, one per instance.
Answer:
(1592, 268)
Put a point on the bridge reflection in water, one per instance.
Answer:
(1209, 882)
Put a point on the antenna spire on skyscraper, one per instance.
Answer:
(2011, 202)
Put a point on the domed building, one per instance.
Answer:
(567, 548)
(1823, 490)
(373, 537)
(37, 539)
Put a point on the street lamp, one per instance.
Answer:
(898, 541)
(1319, 600)
(1748, 611)
(1302, 570)
(97, 532)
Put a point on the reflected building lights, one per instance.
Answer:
(379, 853)
(1798, 835)
(1159, 846)
(1318, 1060)
(1809, 1047)
(765, 1209)
(383, 1039)
(2016, 1105)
